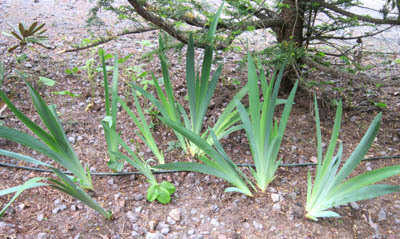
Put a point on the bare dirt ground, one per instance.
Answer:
(199, 208)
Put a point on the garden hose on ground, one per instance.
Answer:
(177, 171)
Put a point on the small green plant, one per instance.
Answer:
(161, 192)
(263, 132)
(110, 119)
(25, 35)
(46, 81)
(200, 90)
(54, 145)
(330, 187)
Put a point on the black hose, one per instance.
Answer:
(102, 174)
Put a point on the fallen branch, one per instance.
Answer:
(105, 40)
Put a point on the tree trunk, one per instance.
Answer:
(291, 33)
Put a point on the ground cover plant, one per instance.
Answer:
(111, 114)
(330, 187)
(54, 145)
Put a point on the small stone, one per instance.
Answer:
(55, 210)
(73, 208)
(150, 235)
(62, 207)
(135, 234)
(165, 231)
(275, 197)
(3, 225)
(293, 195)
(382, 215)
(40, 217)
(191, 232)
(138, 197)
(171, 221)
(152, 225)
(162, 225)
(42, 235)
(77, 236)
(135, 227)
(257, 225)
(314, 159)
(138, 209)
(272, 190)
(110, 181)
(354, 205)
(132, 217)
(290, 215)
(21, 206)
(71, 139)
(214, 222)
(175, 214)
(198, 236)
(56, 202)
(272, 229)
(276, 207)
(397, 221)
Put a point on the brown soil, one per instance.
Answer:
(205, 210)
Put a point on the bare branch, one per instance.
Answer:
(351, 38)
(147, 15)
(105, 40)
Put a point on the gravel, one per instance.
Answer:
(382, 215)
(132, 217)
(175, 214)
(40, 217)
(275, 197)
(42, 235)
(150, 235)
